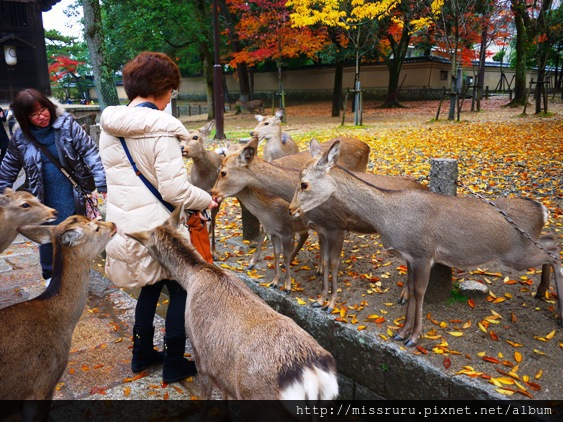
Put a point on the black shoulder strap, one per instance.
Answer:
(148, 184)
(56, 162)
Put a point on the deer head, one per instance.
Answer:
(315, 184)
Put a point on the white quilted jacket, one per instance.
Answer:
(152, 137)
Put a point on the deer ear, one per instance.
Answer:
(315, 148)
(141, 237)
(8, 191)
(177, 216)
(39, 234)
(259, 117)
(4, 200)
(279, 113)
(72, 237)
(246, 155)
(206, 129)
(328, 159)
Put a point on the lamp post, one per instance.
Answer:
(218, 97)
(11, 58)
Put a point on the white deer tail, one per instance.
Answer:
(312, 384)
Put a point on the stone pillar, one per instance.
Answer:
(250, 224)
(443, 177)
(95, 133)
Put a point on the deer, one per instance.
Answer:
(278, 143)
(244, 169)
(424, 228)
(241, 345)
(252, 105)
(18, 208)
(273, 214)
(203, 172)
(35, 335)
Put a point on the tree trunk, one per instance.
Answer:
(391, 99)
(94, 35)
(337, 89)
(208, 77)
(394, 66)
(242, 68)
(520, 89)
(481, 74)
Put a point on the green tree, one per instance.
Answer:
(537, 25)
(103, 73)
(181, 29)
(61, 51)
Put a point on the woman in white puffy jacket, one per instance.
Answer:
(152, 137)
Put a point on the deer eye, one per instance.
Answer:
(223, 173)
(304, 185)
(25, 205)
(266, 123)
(195, 137)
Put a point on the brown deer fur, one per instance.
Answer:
(251, 106)
(18, 209)
(36, 334)
(424, 228)
(241, 345)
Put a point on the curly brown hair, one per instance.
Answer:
(150, 74)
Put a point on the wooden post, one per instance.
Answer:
(443, 178)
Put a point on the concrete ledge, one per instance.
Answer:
(370, 368)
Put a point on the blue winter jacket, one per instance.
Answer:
(74, 146)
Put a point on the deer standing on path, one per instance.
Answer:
(241, 345)
(424, 228)
(278, 143)
(35, 335)
(203, 172)
(251, 106)
(18, 209)
(244, 169)
(273, 213)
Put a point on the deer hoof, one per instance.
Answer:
(286, 292)
(329, 310)
(410, 343)
(251, 266)
(397, 337)
(316, 305)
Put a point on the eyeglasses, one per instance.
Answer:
(174, 93)
(42, 111)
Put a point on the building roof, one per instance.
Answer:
(47, 5)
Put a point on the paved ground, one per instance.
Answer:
(99, 361)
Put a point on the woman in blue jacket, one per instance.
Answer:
(44, 122)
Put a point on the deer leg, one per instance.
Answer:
(287, 244)
(214, 212)
(276, 242)
(420, 278)
(324, 260)
(408, 290)
(544, 283)
(258, 251)
(301, 238)
(403, 297)
(334, 254)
